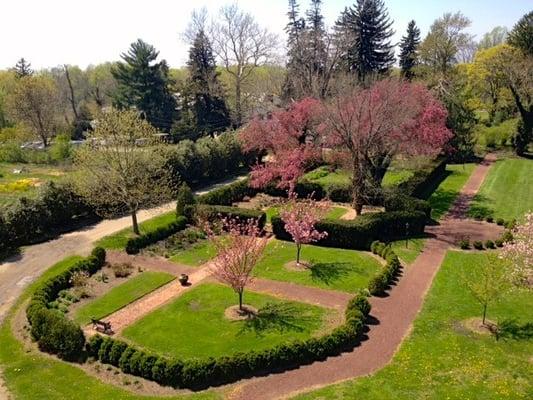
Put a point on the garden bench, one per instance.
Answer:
(101, 326)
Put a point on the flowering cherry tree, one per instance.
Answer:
(238, 251)
(300, 218)
(288, 138)
(369, 126)
(519, 252)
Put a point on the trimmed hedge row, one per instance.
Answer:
(210, 212)
(228, 194)
(361, 232)
(135, 244)
(422, 182)
(50, 328)
(379, 283)
(202, 373)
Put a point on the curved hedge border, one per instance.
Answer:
(210, 213)
(379, 283)
(135, 244)
(202, 373)
(52, 330)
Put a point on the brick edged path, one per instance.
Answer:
(394, 314)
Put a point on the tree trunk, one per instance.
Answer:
(357, 188)
(238, 106)
(298, 249)
(240, 292)
(135, 223)
(484, 313)
(72, 98)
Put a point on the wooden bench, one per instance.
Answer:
(102, 326)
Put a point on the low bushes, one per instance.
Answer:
(423, 181)
(210, 213)
(134, 245)
(361, 232)
(228, 194)
(202, 373)
(55, 209)
(379, 283)
(50, 328)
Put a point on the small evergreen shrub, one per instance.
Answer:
(489, 244)
(184, 198)
(500, 221)
(498, 242)
(464, 244)
(478, 245)
(489, 219)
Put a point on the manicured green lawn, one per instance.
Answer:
(342, 177)
(411, 252)
(331, 268)
(449, 189)
(507, 191)
(333, 213)
(29, 375)
(195, 255)
(118, 240)
(442, 360)
(122, 295)
(194, 325)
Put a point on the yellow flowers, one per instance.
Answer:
(21, 185)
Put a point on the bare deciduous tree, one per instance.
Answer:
(241, 45)
(120, 167)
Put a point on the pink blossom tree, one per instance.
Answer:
(519, 252)
(238, 249)
(288, 137)
(300, 218)
(370, 126)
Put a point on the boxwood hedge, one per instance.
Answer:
(135, 244)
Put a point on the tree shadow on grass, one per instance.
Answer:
(479, 207)
(328, 272)
(280, 317)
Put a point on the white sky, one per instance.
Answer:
(83, 32)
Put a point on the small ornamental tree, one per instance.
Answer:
(300, 218)
(287, 136)
(519, 252)
(488, 282)
(238, 251)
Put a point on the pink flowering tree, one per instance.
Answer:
(370, 126)
(239, 247)
(288, 137)
(300, 218)
(519, 252)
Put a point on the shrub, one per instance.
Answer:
(498, 242)
(489, 219)
(134, 245)
(510, 224)
(228, 194)
(79, 278)
(122, 270)
(464, 243)
(478, 245)
(185, 198)
(489, 244)
(211, 213)
(507, 237)
(500, 221)
(361, 232)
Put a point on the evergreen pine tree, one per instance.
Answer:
(22, 68)
(210, 112)
(315, 37)
(366, 29)
(408, 50)
(295, 58)
(522, 34)
(144, 85)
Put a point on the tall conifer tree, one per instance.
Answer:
(210, 112)
(409, 50)
(144, 84)
(366, 31)
(22, 68)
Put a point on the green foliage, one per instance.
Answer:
(478, 245)
(228, 194)
(409, 50)
(135, 244)
(144, 85)
(52, 330)
(212, 213)
(521, 36)
(184, 198)
(522, 138)
(61, 148)
(361, 232)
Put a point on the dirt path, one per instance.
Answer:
(393, 314)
